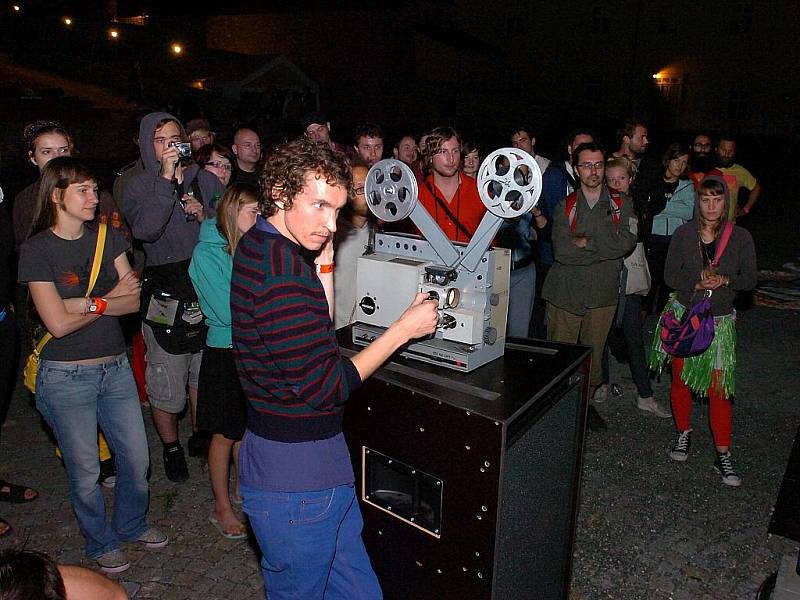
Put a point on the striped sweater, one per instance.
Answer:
(295, 380)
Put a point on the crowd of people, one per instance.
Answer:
(235, 266)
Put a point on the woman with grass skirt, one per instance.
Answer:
(689, 272)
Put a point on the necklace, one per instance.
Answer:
(708, 252)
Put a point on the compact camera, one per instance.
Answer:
(184, 149)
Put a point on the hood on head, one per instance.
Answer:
(726, 192)
(147, 130)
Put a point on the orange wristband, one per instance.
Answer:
(325, 268)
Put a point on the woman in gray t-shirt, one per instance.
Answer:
(84, 379)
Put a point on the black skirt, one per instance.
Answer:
(221, 405)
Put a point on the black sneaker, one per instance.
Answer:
(108, 473)
(724, 466)
(175, 464)
(594, 421)
(198, 443)
(680, 451)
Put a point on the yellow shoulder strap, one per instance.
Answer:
(98, 256)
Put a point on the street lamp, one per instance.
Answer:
(113, 34)
(67, 21)
(16, 7)
(177, 49)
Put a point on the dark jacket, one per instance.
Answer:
(152, 207)
(685, 262)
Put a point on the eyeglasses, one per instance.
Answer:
(250, 146)
(705, 146)
(594, 166)
(219, 165)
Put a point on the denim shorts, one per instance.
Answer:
(167, 375)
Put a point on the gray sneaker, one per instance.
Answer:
(113, 562)
(652, 405)
(153, 539)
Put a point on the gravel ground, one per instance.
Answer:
(652, 528)
(648, 527)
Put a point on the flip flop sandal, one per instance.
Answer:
(15, 493)
(228, 536)
(7, 529)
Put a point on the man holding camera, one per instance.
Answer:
(165, 205)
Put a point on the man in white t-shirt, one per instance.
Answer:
(351, 238)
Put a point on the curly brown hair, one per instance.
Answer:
(284, 174)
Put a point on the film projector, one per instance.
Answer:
(471, 283)
(466, 446)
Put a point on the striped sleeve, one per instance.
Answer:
(287, 344)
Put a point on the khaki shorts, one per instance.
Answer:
(167, 375)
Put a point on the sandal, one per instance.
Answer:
(237, 535)
(5, 528)
(10, 492)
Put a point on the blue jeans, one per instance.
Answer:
(311, 544)
(74, 399)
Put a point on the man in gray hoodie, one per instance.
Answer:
(165, 205)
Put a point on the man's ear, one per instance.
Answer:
(394, 152)
(277, 198)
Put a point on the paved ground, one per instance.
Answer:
(648, 527)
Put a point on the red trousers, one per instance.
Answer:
(720, 410)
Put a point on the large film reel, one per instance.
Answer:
(391, 190)
(509, 182)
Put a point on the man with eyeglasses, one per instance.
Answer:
(247, 148)
(349, 242)
(558, 182)
(591, 235)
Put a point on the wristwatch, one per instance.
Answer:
(97, 305)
